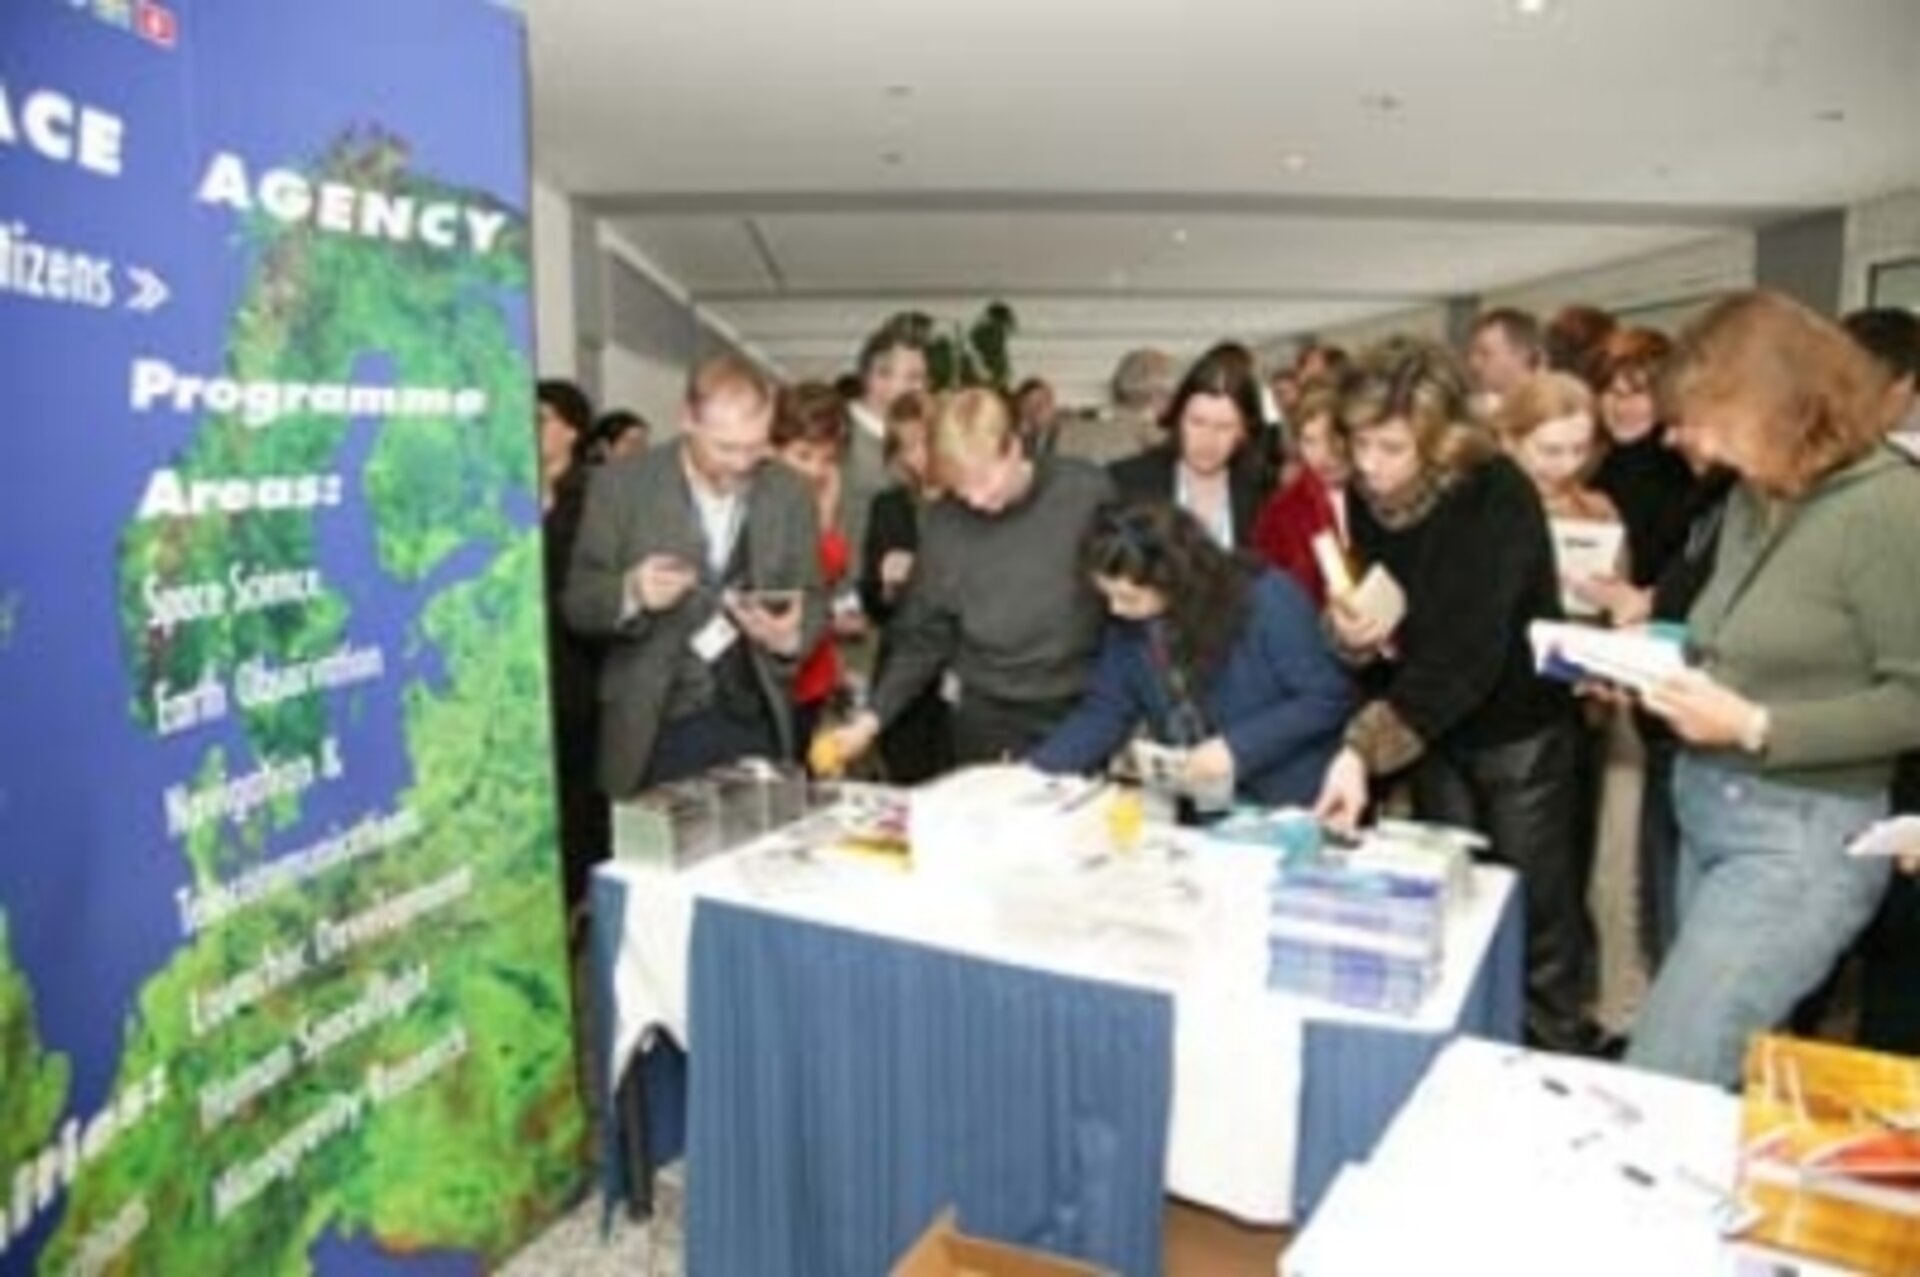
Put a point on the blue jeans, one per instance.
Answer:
(1769, 901)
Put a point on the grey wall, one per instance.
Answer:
(1805, 258)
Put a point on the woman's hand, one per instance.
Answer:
(1356, 633)
(1210, 767)
(1623, 604)
(1708, 714)
(1343, 794)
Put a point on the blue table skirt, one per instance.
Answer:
(842, 1053)
(846, 1088)
(1354, 1079)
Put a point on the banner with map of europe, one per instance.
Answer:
(282, 957)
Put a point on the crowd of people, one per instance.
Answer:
(868, 574)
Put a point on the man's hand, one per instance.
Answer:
(659, 582)
(832, 751)
(896, 568)
(777, 631)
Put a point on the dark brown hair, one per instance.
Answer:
(1156, 544)
(1228, 371)
(1519, 327)
(1639, 354)
(915, 408)
(1574, 337)
(811, 412)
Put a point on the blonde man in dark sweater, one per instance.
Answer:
(997, 600)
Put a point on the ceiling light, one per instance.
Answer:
(1180, 235)
(1294, 162)
(1530, 8)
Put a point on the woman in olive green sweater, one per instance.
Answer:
(1808, 641)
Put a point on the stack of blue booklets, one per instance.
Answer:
(1363, 938)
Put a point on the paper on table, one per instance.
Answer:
(1584, 549)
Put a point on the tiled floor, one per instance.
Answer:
(1199, 1244)
(579, 1245)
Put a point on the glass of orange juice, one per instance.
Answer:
(1126, 819)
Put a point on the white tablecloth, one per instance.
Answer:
(1237, 1045)
(1510, 1163)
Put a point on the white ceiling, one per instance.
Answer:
(1128, 173)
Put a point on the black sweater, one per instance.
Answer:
(1001, 599)
(1654, 491)
(1477, 571)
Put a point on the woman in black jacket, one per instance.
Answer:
(1208, 466)
(1451, 695)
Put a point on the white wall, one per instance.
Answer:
(1879, 230)
(555, 330)
(1427, 322)
(644, 383)
(1661, 289)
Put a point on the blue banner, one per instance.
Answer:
(282, 963)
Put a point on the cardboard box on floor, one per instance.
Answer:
(944, 1251)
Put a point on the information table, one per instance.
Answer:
(1269, 1093)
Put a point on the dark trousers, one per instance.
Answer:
(1659, 854)
(1890, 973)
(586, 822)
(1890, 950)
(1525, 797)
(986, 730)
(706, 739)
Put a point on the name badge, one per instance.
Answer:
(714, 638)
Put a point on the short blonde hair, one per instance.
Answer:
(1813, 395)
(1543, 397)
(1421, 383)
(970, 427)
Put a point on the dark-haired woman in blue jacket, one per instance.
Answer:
(1211, 653)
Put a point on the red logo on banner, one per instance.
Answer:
(158, 23)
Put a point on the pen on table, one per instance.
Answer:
(1638, 1175)
(1623, 1108)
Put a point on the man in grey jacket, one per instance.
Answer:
(698, 564)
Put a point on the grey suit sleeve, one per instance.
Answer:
(595, 599)
(802, 552)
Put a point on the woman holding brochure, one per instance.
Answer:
(1218, 657)
(1453, 699)
(1808, 635)
(1548, 426)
